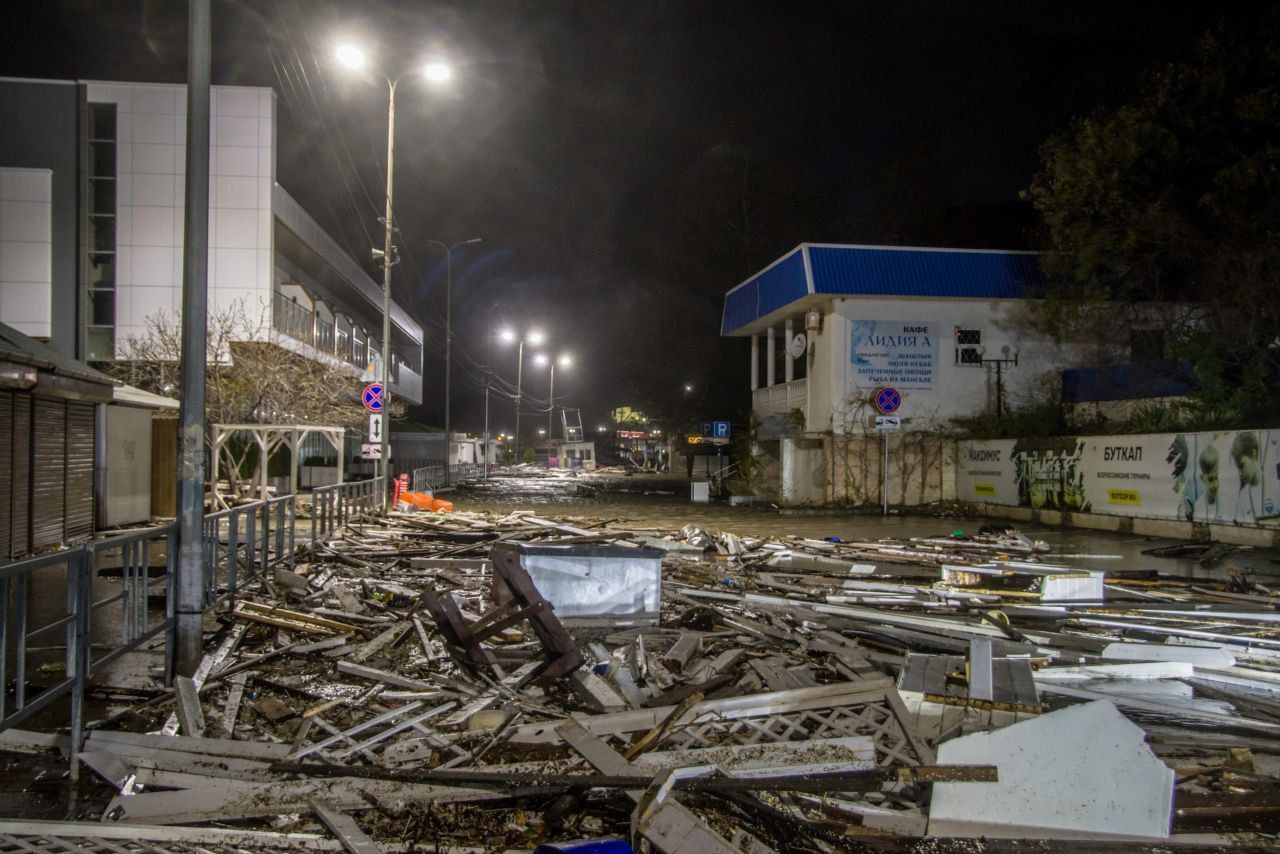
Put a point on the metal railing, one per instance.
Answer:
(244, 536)
(291, 318)
(333, 507)
(432, 477)
(23, 620)
(257, 535)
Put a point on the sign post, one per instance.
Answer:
(888, 400)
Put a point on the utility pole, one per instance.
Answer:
(190, 567)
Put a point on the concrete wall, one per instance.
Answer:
(39, 129)
(150, 168)
(26, 250)
(1216, 479)
(848, 470)
(956, 389)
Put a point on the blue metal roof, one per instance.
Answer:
(777, 285)
(881, 271)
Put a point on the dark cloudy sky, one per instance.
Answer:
(626, 163)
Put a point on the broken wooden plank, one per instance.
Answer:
(353, 839)
(671, 827)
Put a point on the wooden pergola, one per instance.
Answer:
(270, 438)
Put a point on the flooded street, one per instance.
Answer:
(640, 502)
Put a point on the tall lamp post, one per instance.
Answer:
(448, 349)
(564, 360)
(436, 72)
(535, 338)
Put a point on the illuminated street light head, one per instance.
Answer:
(437, 72)
(565, 360)
(536, 338)
(507, 335)
(350, 56)
(540, 359)
(688, 387)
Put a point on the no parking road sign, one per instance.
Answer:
(372, 397)
(888, 400)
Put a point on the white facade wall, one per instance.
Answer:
(839, 398)
(151, 165)
(26, 250)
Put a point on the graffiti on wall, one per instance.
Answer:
(1228, 477)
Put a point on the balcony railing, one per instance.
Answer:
(290, 318)
(780, 398)
(324, 335)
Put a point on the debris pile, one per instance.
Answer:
(503, 681)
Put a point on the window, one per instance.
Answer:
(968, 346)
(99, 204)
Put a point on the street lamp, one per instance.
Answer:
(535, 338)
(448, 328)
(1008, 357)
(353, 57)
(564, 360)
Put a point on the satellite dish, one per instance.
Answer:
(796, 347)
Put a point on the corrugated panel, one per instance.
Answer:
(873, 271)
(48, 476)
(779, 285)
(21, 530)
(79, 479)
(741, 306)
(783, 283)
(6, 474)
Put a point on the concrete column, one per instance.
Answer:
(769, 361)
(755, 362)
(790, 362)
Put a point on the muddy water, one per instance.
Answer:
(663, 505)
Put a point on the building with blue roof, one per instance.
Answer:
(833, 325)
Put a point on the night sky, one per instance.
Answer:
(628, 163)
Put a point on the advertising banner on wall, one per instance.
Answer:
(984, 473)
(898, 353)
(1228, 477)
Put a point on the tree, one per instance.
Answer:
(1173, 202)
(252, 377)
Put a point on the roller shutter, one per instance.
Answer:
(20, 489)
(79, 476)
(48, 476)
(6, 474)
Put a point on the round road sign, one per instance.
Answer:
(372, 397)
(888, 400)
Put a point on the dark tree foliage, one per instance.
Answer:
(1174, 200)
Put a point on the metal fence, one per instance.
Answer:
(432, 477)
(68, 627)
(332, 507)
(245, 537)
(252, 536)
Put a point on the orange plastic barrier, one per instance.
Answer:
(424, 501)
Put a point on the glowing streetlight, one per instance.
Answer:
(350, 56)
(353, 57)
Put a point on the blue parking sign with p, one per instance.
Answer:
(706, 430)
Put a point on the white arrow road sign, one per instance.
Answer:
(375, 427)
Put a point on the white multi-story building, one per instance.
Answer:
(91, 229)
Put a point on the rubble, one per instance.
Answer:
(413, 684)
